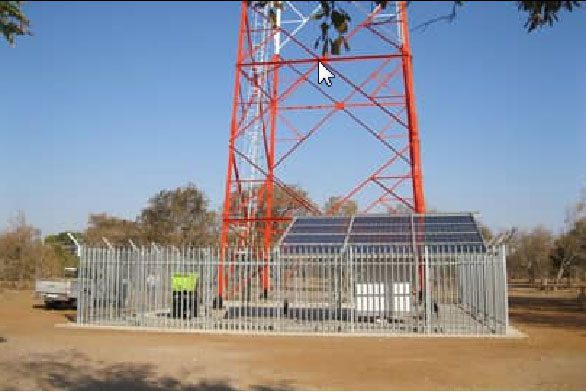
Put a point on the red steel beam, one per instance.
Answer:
(231, 160)
(414, 147)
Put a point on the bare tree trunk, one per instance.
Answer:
(560, 272)
(564, 263)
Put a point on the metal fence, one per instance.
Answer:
(392, 290)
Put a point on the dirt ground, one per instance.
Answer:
(36, 355)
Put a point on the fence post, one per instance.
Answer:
(428, 308)
(351, 272)
(506, 287)
(80, 285)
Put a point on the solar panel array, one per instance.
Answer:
(329, 231)
(435, 229)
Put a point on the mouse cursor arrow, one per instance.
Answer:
(324, 74)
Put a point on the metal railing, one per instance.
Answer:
(318, 290)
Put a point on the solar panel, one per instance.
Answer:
(433, 228)
(316, 229)
(453, 237)
(447, 228)
(400, 228)
(389, 219)
(379, 238)
(333, 220)
(314, 239)
(448, 219)
(385, 230)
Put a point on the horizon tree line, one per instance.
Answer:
(183, 217)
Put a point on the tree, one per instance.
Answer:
(347, 208)
(179, 217)
(63, 249)
(529, 254)
(541, 13)
(287, 202)
(570, 248)
(62, 238)
(117, 231)
(24, 255)
(20, 250)
(485, 232)
(400, 208)
(172, 217)
(13, 21)
(334, 18)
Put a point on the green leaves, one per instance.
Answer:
(340, 20)
(332, 16)
(382, 3)
(543, 13)
(337, 45)
(180, 216)
(13, 21)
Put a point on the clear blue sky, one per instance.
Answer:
(110, 102)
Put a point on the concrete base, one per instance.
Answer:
(512, 332)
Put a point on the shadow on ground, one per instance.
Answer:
(71, 317)
(68, 312)
(56, 306)
(74, 371)
(547, 311)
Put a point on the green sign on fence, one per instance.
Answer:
(185, 282)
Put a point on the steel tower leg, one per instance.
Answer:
(414, 149)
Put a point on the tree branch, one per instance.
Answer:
(449, 18)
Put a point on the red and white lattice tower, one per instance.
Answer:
(279, 108)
